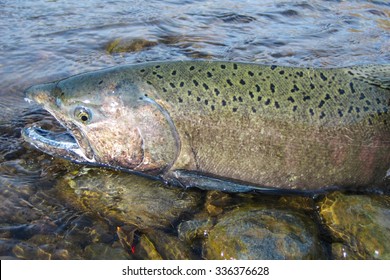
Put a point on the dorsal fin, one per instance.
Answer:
(378, 75)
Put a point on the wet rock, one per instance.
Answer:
(254, 230)
(259, 233)
(169, 246)
(127, 45)
(361, 223)
(101, 251)
(216, 201)
(127, 199)
(146, 249)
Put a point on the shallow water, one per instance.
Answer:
(46, 40)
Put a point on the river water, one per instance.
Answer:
(46, 40)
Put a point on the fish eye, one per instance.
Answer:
(83, 114)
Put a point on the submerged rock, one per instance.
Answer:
(359, 225)
(123, 198)
(254, 230)
(127, 45)
(157, 244)
(256, 233)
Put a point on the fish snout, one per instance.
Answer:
(41, 94)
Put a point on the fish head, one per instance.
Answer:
(110, 121)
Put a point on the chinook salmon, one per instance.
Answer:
(225, 125)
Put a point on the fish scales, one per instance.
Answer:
(325, 97)
(262, 126)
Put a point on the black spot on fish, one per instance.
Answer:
(277, 106)
(142, 70)
(357, 109)
(257, 88)
(267, 102)
(209, 74)
(350, 109)
(362, 96)
(240, 98)
(223, 103)
(322, 115)
(189, 93)
(272, 87)
(234, 98)
(212, 108)
(311, 111)
(100, 82)
(327, 97)
(365, 109)
(281, 72)
(149, 82)
(341, 91)
(206, 87)
(273, 67)
(312, 86)
(235, 66)
(300, 74)
(206, 102)
(242, 82)
(369, 121)
(368, 102)
(352, 87)
(158, 66)
(295, 108)
(322, 102)
(253, 110)
(251, 94)
(229, 82)
(181, 84)
(180, 100)
(216, 91)
(195, 83)
(306, 97)
(223, 66)
(198, 99)
(291, 99)
(192, 68)
(164, 89)
(350, 73)
(173, 73)
(323, 77)
(172, 85)
(250, 73)
(234, 109)
(340, 113)
(295, 88)
(160, 77)
(378, 101)
(259, 98)
(154, 73)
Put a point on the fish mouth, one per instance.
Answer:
(70, 144)
(58, 144)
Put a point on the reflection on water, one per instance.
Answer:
(46, 209)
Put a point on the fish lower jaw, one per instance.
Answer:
(61, 144)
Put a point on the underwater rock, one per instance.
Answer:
(157, 245)
(359, 223)
(127, 45)
(254, 231)
(123, 198)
